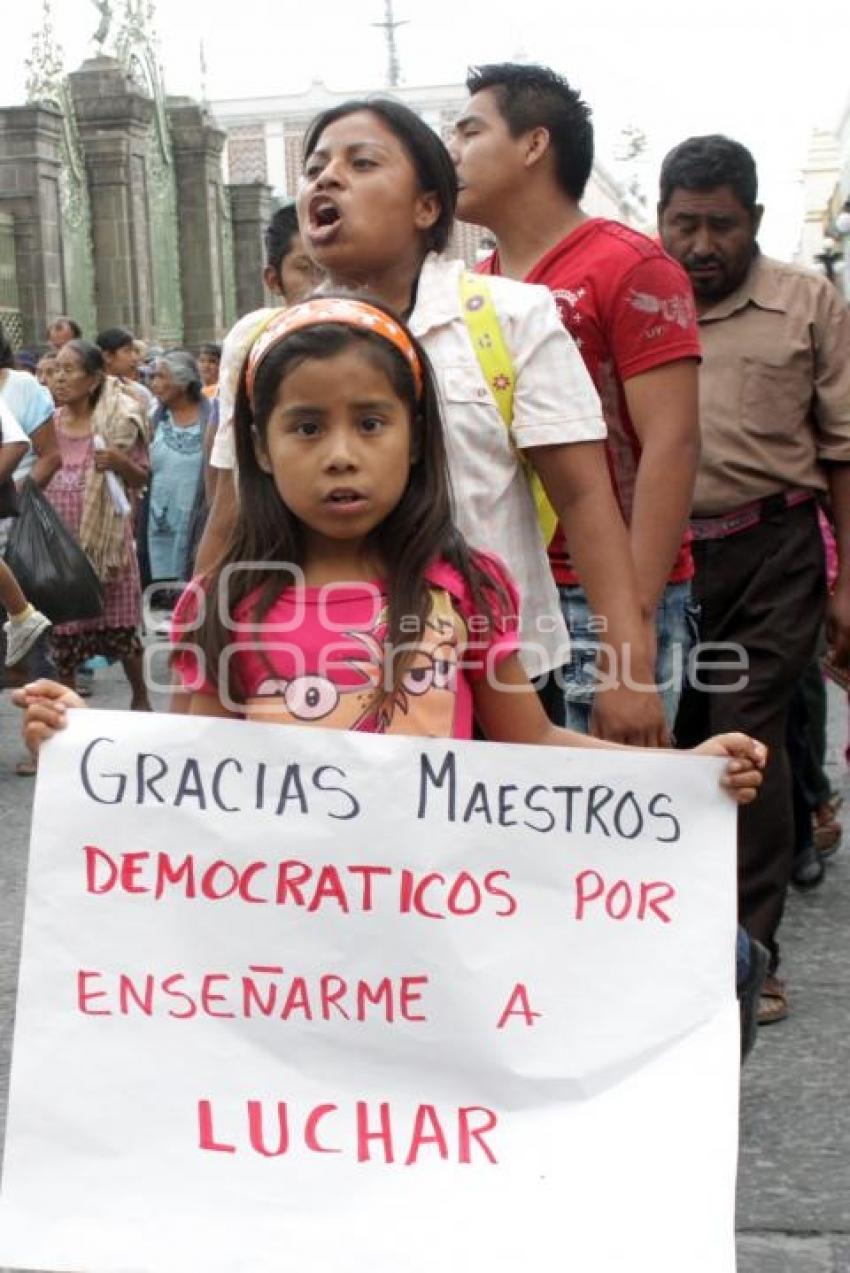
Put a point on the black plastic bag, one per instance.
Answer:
(8, 499)
(51, 567)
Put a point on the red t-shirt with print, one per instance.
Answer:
(629, 308)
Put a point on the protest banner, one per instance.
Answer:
(296, 1000)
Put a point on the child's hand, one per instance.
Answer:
(743, 774)
(45, 704)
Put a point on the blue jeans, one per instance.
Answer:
(676, 630)
(743, 959)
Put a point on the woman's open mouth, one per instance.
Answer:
(323, 219)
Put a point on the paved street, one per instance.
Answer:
(794, 1180)
(794, 1177)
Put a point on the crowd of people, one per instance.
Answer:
(604, 466)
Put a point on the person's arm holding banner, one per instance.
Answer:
(506, 706)
(509, 710)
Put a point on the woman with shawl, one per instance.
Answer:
(103, 442)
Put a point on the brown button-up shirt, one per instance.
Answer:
(774, 387)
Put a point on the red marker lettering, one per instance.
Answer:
(311, 1139)
(468, 1132)
(365, 1135)
(422, 1136)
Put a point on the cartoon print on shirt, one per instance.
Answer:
(344, 692)
(424, 702)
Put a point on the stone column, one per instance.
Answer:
(197, 144)
(114, 118)
(275, 135)
(30, 162)
(251, 210)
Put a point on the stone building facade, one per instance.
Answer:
(122, 206)
(114, 209)
(840, 204)
(820, 176)
(113, 204)
(824, 243)
(30, 230)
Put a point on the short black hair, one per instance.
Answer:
(212, 349)
(530, 96)
(27, 359)
(428, 154)
(7, 353)
(279, 233)
(704, 163)
(114, 338)
(71, 322)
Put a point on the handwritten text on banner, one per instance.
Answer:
(296, 1000)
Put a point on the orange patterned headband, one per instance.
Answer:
(334, 309)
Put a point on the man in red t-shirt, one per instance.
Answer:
(523, 149)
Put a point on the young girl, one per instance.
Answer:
(347, 598)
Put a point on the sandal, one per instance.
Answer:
(826, 837)
(26, 768)
(773, 1001)
(807, 868)
(826, 829)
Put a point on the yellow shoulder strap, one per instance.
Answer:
(497, 367)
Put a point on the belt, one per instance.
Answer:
(748, 515)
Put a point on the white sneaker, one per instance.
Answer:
(21, 637)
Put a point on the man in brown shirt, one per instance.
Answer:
(775, 423)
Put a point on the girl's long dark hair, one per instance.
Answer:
(419, 530)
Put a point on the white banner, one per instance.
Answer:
(294, 1001)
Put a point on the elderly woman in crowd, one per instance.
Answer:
(175, 503)
(101, 431)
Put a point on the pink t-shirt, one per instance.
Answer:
(317, 656)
